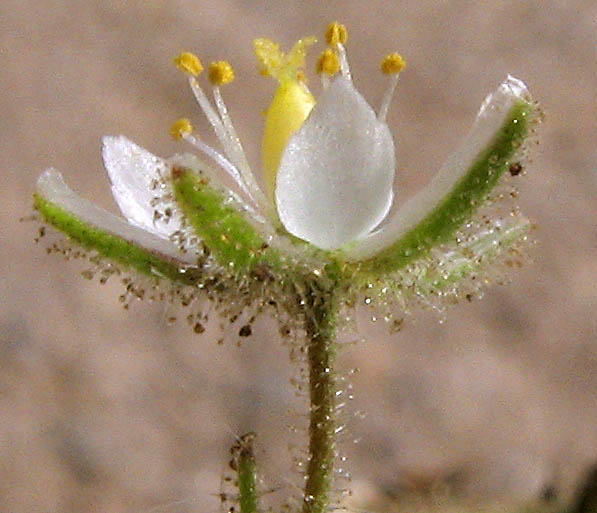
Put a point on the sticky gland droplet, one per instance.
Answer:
(515, 169)
(245, 331)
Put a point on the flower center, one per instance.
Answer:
(290, 106)
(328, 167)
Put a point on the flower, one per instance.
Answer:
(328, 168)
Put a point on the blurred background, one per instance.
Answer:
(108, 410)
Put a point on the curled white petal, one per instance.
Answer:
(52, 188)
(139, 185)
(490, 119)
(335, 178)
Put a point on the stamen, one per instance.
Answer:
(183, 129)
(328, 65)
(220, 73)
(212, 117)
(336, 36)
(336, 33)
(344, 67)
(219, 159)
(392, 64)
(189, 63)
(180, 128)
(240, 158)
(229, 127)
(387, 98)
(228, 139)
(328, 62)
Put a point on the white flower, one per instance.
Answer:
(328, 168)
(329, 164)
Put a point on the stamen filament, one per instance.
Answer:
(222, 161)
(236, 164)
(344, 67)
(387, 98)
(213, 117)
(240, 159)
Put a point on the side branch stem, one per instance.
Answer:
(244, 461)
(320, 326)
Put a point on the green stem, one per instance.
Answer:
(320, 326)
(246, 467)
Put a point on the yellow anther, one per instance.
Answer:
(189, 63)
(180, 128)
(392, 64)
(301, 77)
(328, 62)
(220, 73)
(336, 33)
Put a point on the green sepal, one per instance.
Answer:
(112, 246)
(466, 197)
(232, 240)
(471, 259)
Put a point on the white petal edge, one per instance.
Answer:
(334, 183)
(490, 118)
(52, 187)
(134, 173)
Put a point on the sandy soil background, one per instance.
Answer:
(112, 411)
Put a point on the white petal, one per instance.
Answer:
(52, 188)
(490, 119)
(335, 178)
(137, 178)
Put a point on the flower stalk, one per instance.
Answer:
(320, 327)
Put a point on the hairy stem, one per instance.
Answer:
(320, 324)
(246, 467)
